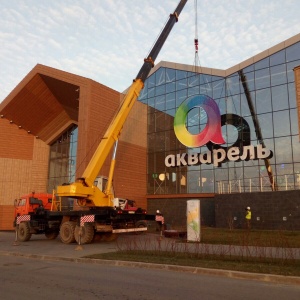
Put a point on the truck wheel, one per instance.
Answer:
(67, 232)
(87, 233)
(24, 232)
(51, 234)
(140, 224)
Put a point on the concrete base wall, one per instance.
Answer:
(174, 211)
(270, 210)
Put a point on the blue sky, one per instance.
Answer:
(107, 40)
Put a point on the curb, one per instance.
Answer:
(195, 270)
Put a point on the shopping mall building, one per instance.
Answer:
(229, 138)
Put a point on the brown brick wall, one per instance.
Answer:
(6, 217)
(130, 173)
(24, 167)
(97, 106)
(15, 143)
(297, 85)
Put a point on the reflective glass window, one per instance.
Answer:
(194, 118)
(218, 89)
(194, 184)
(170, 75)
(181, 75)
(160, 76)
(62, 159)
(262, 64)
(193, 80)
(233, 104)
(280, 98)
(180, 96)
(233, 85)
(245, 110)
(206, 89)
(263, 101)
(294, 121)
(144, 92)
(296, 150)
(222, 105)
(266, 125)
(249, 120)
(159, 90)
(248, 69)
(170, 101)
(171, 87)
(262, 78)
(204, 79)
(151, 92)
(181, 84)
(207, 181)
(283, 150)
(193, 91)
(216, 78)
(277, 58)
(249, 82)
(290, 70)
(281, 128)
(151, 81)
(278, 75)
(292, 95)
(293, 52)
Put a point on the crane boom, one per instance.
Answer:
(86, 189)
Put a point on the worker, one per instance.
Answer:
(159, 218)
(248, 217)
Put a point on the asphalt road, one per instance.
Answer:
(25, 278)
(54, 255)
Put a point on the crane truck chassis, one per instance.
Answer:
(100, 214)
(34, 216)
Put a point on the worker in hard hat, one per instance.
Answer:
(248, 217)
(159, 218)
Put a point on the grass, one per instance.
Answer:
(286, 265)
(260, 238)
(272, 266)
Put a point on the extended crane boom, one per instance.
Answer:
(85, 189)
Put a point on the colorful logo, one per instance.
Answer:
(212, 131)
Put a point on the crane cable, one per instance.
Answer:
(196, 42)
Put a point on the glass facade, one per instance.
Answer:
(266, 102)
(62, 161)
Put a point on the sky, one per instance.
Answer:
(107, 40)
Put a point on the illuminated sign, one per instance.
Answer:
(211, 136)
(212, 131)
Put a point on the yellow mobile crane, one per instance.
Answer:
(85, 190)
(33, 214)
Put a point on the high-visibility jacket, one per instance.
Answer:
(248, 215)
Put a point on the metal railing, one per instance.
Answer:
(286, 182)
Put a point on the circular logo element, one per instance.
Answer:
(212, 131)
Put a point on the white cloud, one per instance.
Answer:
(107, 40)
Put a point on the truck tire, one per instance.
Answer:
(66, 232)
(87, 233)
(24, 232)
(140, 224)
(51, 234)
